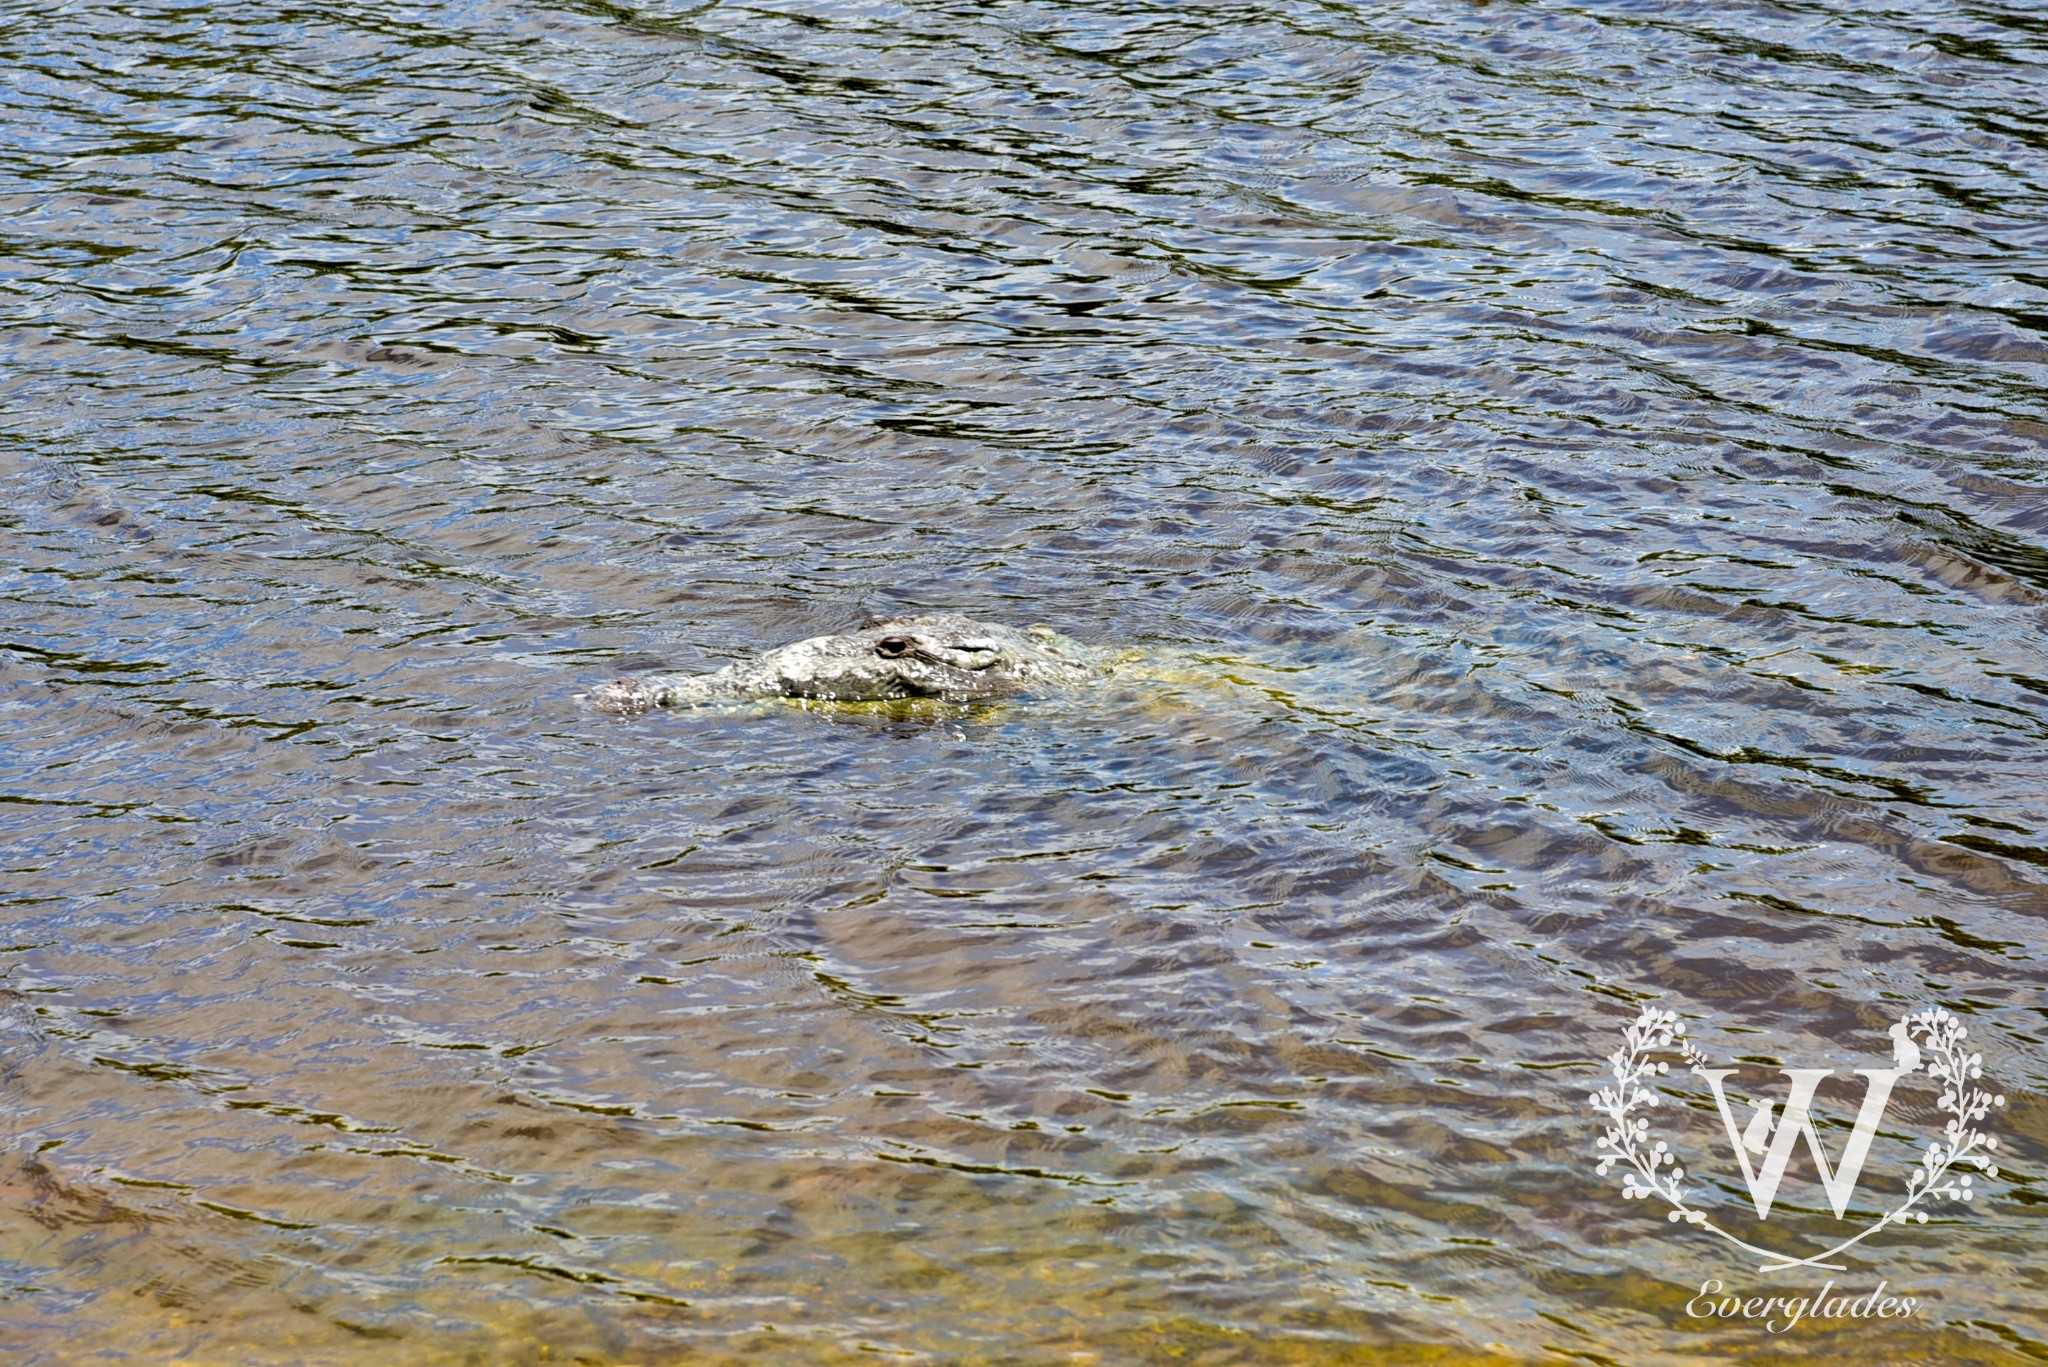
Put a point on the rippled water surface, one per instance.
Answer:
(1576, 470)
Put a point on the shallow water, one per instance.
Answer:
(1578, 468)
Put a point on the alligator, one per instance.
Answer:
(935, 655)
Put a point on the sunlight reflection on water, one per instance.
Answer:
(1574, 473)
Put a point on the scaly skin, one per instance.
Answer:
(939, 655)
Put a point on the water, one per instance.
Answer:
(1578, 465)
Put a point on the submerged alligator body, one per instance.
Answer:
(938, 655)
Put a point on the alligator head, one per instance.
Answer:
(938, 655)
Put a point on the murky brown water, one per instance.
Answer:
(1581, 466)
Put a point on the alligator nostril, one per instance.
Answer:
(892, 647)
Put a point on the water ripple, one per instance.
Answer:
(1573, 475)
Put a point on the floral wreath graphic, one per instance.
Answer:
(1650, 1167)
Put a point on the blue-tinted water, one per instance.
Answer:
(1577, 469)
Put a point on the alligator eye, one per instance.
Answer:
(893, 647)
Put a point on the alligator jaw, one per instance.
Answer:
(632, 696)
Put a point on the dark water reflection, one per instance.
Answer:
(1579, 466)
